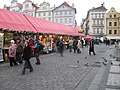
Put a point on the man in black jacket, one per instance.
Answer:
(26, 56)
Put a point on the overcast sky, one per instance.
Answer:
(82, 6)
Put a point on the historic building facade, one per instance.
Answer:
(15, 6)
(113, 24)
(45, 11)
(95, 21)
(65, 14)
(29, 8)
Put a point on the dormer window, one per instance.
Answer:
(114, 15)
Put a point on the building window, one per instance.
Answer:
(49, 18)
(65, 20)
(44, 14)
(44, 7)
(60, 20)
(101, 22)
(49, 13)
(114, 15)
(97, 30)
(115, 31)
(101, 31)
(115, 23)
(93, 31)
(110, 23)
(56, 20)
(39, 14)
(70, 12)
(99, 15)
(95, 15)
(70, 20)
(31, 14)
(103, 15)
(65, 12)
(56, 13)
(110, 31)
(60, 12)
(93, 22)
(26, 5)
(97, 22)
(110, 16)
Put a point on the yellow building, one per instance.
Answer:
(113, 24)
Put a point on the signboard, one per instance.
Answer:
(1, 47)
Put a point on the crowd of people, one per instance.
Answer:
(76, 45)
(24, 50)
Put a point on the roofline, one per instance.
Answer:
(67, 5)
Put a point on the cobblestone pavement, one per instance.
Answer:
(55, 72)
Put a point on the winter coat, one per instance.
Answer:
(91, 45)
(75, 42)
(27, 52)
(12, 50)
(19, 49)
(79, 44)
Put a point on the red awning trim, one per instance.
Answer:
(45, 26)
(14, 21)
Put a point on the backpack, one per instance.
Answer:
(40, 47)
(61, 44)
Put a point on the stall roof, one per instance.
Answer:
(45, 26)
(14, 21)
(76, 32)
(113, 37)
(88, 37)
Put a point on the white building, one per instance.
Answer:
(65, 14)
(96, 22)
(15, 6)
(29, 8)
(45, 11)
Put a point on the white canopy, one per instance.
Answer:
(113, 37)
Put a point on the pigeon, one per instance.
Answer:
(87, 64)
(105, 60)
(110, 55)
(77, 61)
(104, 63)
(85, 57)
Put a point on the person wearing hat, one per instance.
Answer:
(12, 53)
(26, 56)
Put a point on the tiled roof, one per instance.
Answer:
(27, 1)
(99, 8)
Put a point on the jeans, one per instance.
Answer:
(37, 57)
(61, 51)
(70, 47)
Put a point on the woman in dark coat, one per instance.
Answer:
(26, 56)
(91, 48)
